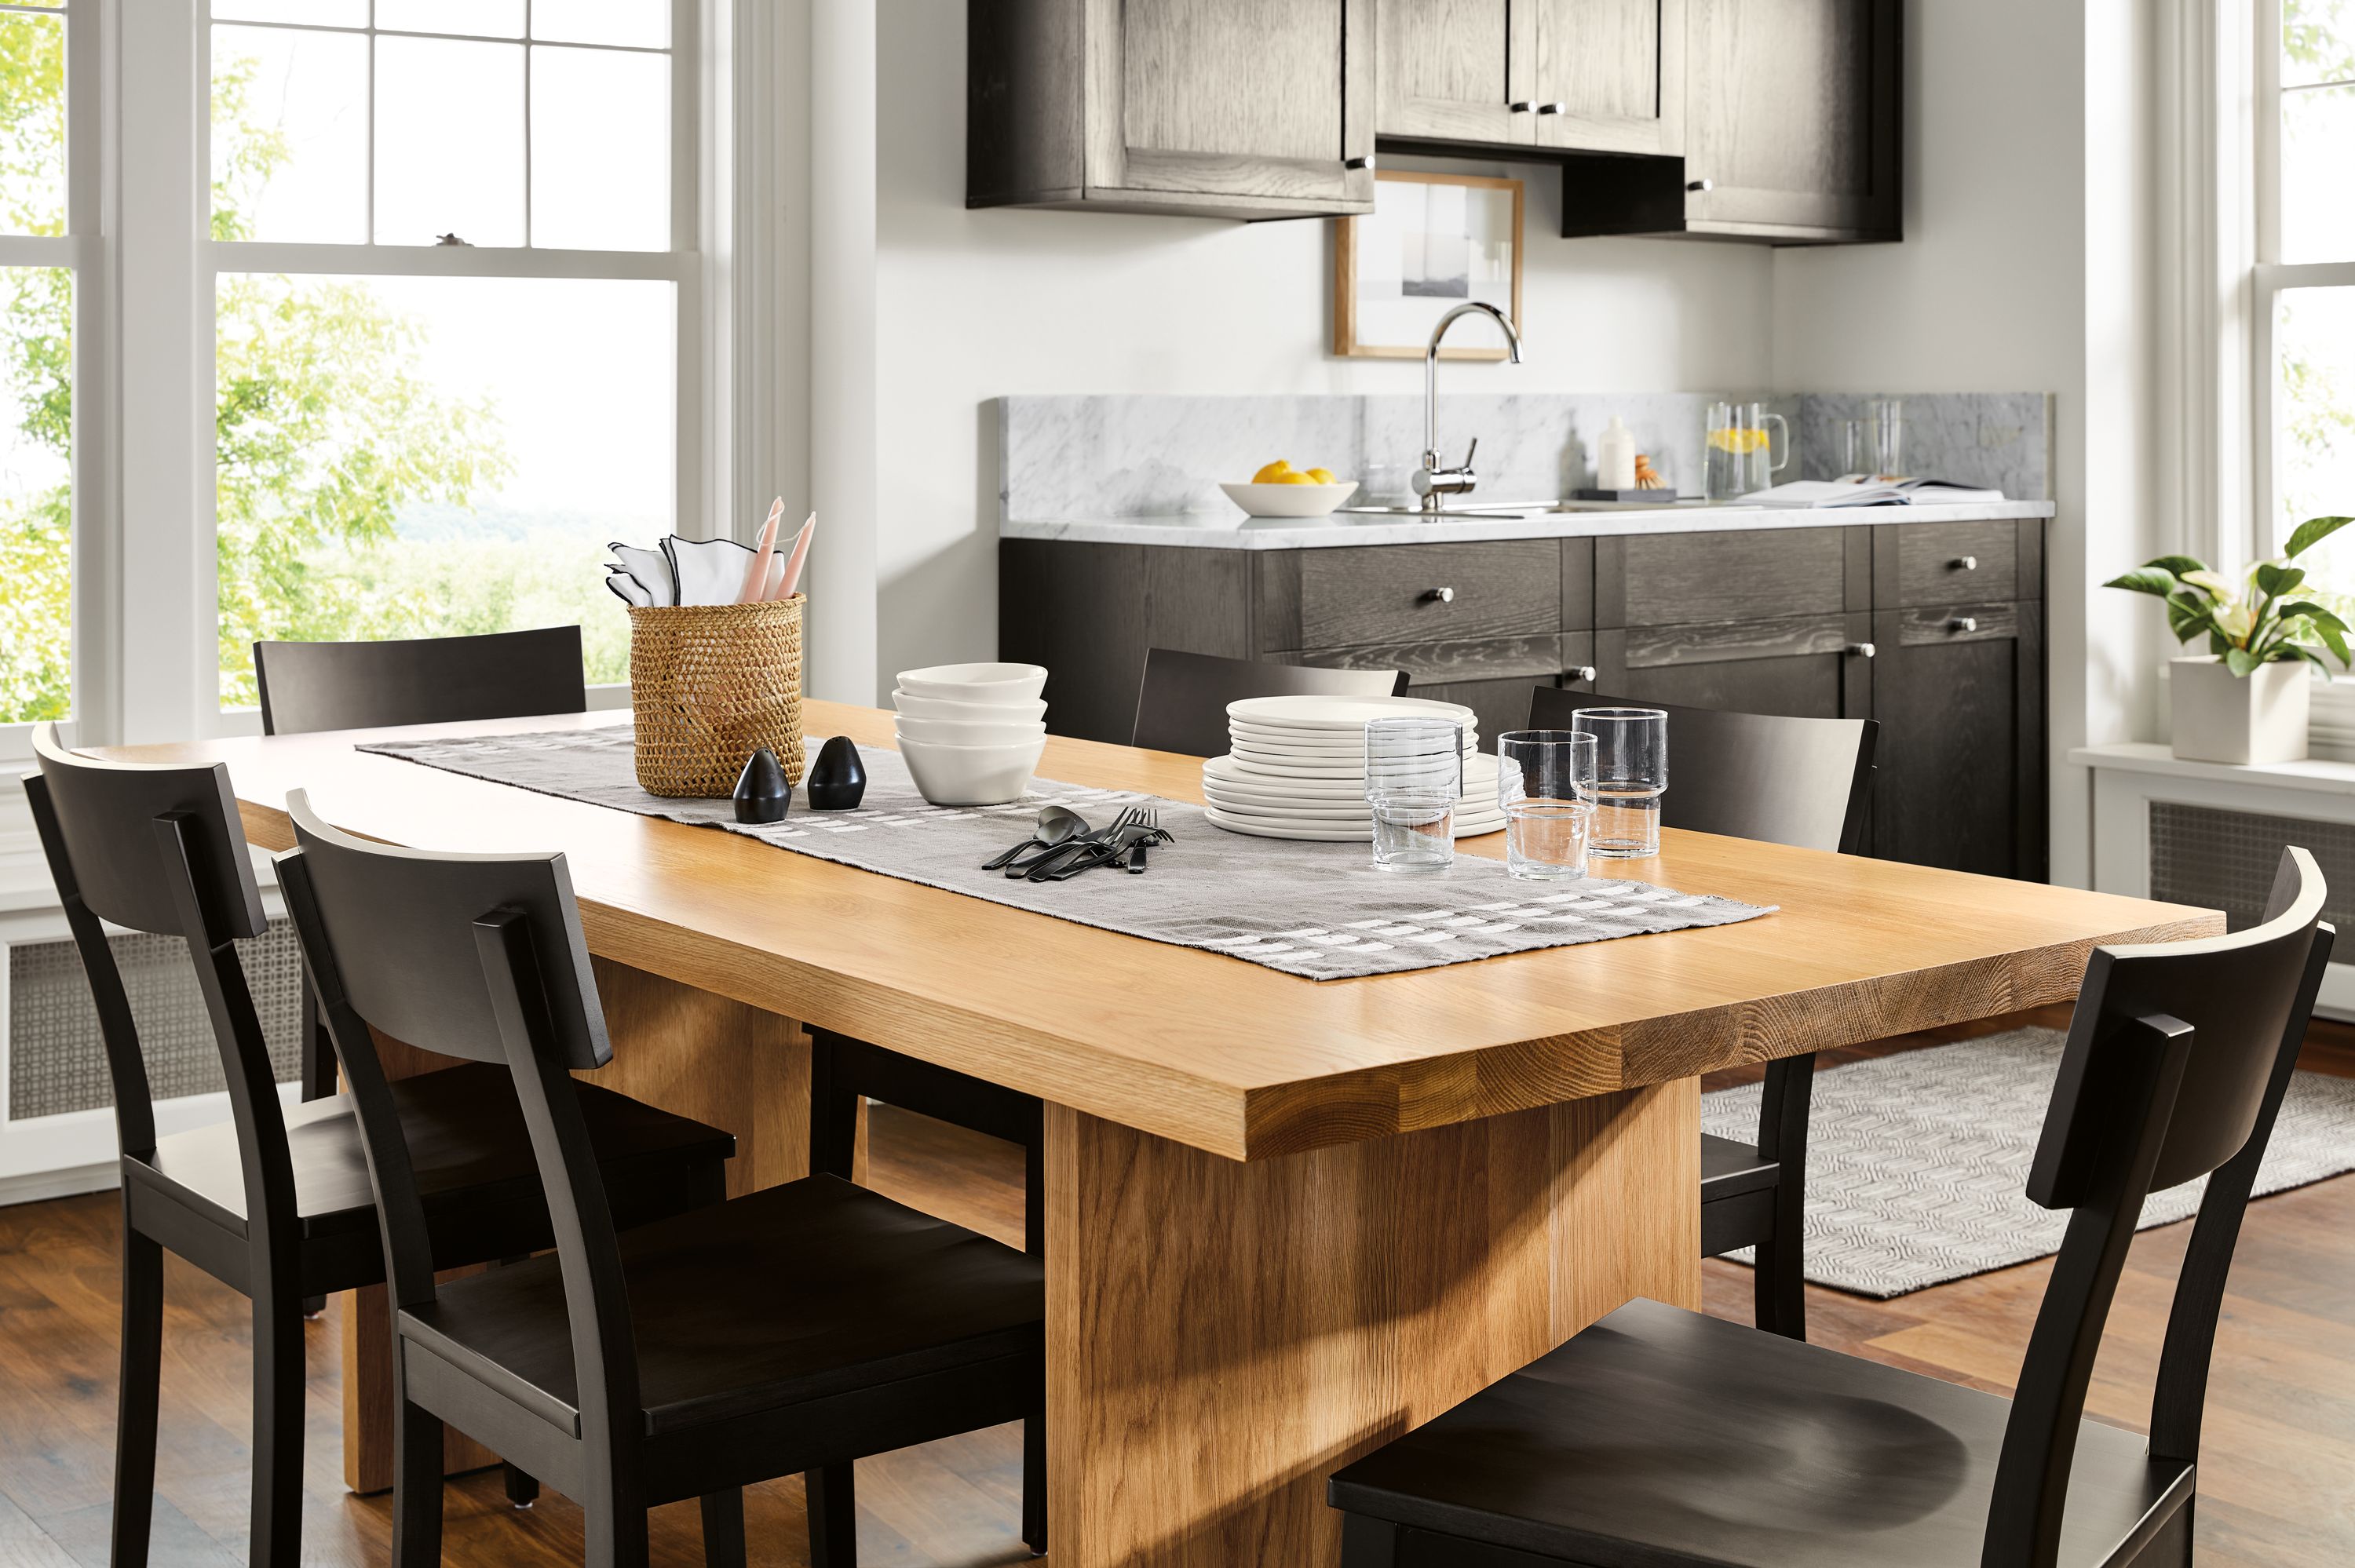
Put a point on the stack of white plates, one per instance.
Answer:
(1296, 767)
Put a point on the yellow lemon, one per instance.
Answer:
(1322, 475)
(1274, 473)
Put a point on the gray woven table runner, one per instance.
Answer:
(1319, 910)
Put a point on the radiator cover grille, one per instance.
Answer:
(2225, 860)
(57, 1061)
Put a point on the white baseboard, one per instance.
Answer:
(40, 1186)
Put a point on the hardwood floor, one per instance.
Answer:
(2280, 1434)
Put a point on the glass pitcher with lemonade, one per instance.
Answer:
(1739, 452)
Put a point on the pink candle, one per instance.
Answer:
(756, 577)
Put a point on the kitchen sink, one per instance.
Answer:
(1490, 511)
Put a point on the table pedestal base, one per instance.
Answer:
(1222, 1336)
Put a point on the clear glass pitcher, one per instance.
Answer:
(1740, 449)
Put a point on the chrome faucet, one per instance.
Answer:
(1431, 481)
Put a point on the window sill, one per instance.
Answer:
(2315, 775)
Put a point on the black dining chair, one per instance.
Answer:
(1181, 704)
(276, 1201)
(1663, 1437)
(791, 1330)
(310, 686)
(1802, 782)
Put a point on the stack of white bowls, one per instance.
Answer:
(1296, 767)
(971, 734)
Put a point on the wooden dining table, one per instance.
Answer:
(1286, 1220)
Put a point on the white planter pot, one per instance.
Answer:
(2223, 717)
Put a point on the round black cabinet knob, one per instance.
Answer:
(837, 779)
(762, 795)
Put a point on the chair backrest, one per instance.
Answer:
(1802, 782)
(161, 850)
(309, 686)
(1181, 704)
(2178, 1056)
(482, 956)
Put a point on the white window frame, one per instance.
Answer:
(80, 250)
(681, 265)
(2271, 276)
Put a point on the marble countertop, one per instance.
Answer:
(1233, 531)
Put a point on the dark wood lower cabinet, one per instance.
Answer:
(1819, 622)
(1959, 692)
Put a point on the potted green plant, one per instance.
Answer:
(2244, 700)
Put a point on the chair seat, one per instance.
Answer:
(1728, 1168)
(1663, 1437)
(789, 1294)
(466, 1140)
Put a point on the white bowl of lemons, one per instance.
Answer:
(1279, 490)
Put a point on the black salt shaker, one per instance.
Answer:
(761, 793)
(837, 779)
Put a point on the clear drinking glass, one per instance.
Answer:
(1889, 436)
(1414, 776)
(1631, 773)
(1856, 448)
(1545, 783)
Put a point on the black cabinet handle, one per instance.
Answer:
(1553, 108)
(1520, 107)
(1439, 596)
(1965, 563)
(1584, 672)
(1862, 649)
(1364, 162)
(1701, 185)
(1963, 623)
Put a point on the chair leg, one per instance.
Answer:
(523, 1490)
(833, 1517)
(1779, 1287)
(277, 1523)
(1368, 1542)
(416, 1487)
(615, 1533)
(136, 1397)
(1034, 1479)
(723, 1529)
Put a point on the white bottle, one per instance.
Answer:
(1615, 457)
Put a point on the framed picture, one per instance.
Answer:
(1431, 242)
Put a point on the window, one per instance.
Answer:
(453, 263)
(2304, 300)
(42, 221)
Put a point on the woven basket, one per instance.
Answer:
(711, 685)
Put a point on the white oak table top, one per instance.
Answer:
(1210, 1051)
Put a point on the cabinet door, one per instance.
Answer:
(1792, 117)
(1450, 73)
(1226, 100)
(1610, 73)
(1960, 692)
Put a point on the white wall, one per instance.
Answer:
(973, 305)
(2024, 267)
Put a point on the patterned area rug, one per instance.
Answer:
(1917, 1161)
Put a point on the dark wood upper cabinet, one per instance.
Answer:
(1792, 118)
(1588, 75)
(1244, 108)
(1610, 73)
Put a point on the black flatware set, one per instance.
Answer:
(1063, 845)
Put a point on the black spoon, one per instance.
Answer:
(1057, 824)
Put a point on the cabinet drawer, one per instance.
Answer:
(1928, 625)
(1941, 562)
(1686, 579)
(1540, 657)
(1413, 593)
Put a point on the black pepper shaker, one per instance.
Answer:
(762, 795)
(837, 779)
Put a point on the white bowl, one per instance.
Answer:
(972, 775)
(1290, 500)
(996, 684)
(914, 706)
(949, 731)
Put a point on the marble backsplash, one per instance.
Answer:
(1149, 455)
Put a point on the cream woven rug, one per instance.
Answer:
(1916, 1162)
